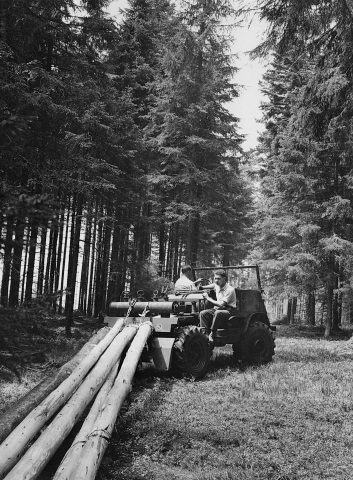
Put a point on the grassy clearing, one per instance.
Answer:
(289, 420)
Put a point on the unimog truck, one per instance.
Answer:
(179, 345)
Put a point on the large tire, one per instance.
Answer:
(257, 345)
(191, 353)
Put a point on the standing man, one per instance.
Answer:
(185, 282)
(224, 306)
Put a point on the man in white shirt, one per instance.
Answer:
(224, 306)
(185, 282)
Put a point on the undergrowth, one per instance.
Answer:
(33, 345)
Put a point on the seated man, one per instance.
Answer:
(185, 282)
(224, 306)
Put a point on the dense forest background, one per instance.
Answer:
(120, 160)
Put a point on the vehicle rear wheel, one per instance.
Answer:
(258, 344)
(236, 351)
(191, 353)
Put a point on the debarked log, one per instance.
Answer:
(19, 410)
(38, 455)
(69, 462)
(98, 439)
(13, 446)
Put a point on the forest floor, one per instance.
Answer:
(33, 345)
(290, 420)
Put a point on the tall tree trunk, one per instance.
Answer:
(289, 310)
(98, 273)
(310, 308)
(105, 260)
(175, 252)
(192, 242)
(293, 310)
(31, 261)
(161, 252)
(168, 268)
(49, 258)
(123, 257)
(64, 255)
(143, 233)
(74, 254)
(53, 263)
(71, 248)
(226, 255)
(43, 242)
(335, 306)
(16, 264)
(59, 256)
(85, 265)
(329, 302)
(5, 281)
(25, 265)
(90, 300)
(113, 284)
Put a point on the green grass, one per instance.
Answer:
(290, 420)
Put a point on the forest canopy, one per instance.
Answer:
(120, 161)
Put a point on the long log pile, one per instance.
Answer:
(29, 447)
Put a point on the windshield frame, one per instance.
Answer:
(229, 267)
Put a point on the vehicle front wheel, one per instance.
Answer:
(191, 353)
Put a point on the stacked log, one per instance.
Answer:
(11, 449)
(18, 411)
(69, 462)
(97, 440)
(97, 374)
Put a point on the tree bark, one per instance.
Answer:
(310, 308)
(289, 310)
(31, 261)
(113, 293)
(329, 303)
(64, 255)
(43, 242)
(161, 253)
(25, 264)
(93, 260)
(16, 264)
(335, 306)
(99, 264)
(5, 282)
(74, 252)
(53, 263)
(293, 310)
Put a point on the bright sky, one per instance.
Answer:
(247, 106)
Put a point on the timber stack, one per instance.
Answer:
(99, 376)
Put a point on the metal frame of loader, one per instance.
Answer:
(180, 345)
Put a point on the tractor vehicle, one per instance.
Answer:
(179, 345)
